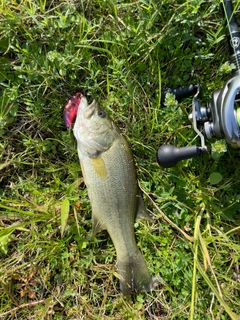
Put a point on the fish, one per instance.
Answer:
(109, 173)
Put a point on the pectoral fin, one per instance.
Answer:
(141, 210)
(99, 167)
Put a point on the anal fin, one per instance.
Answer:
(141, 209)
(96, 226)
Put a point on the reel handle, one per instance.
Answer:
(168, 156)
(181, 92)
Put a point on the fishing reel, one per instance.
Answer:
(220, 118)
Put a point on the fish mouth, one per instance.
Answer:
(86, 112)
(77, 104)
(85, 109)
(94, 134)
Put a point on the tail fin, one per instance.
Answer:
(134, 274)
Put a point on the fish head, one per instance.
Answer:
(94, 130)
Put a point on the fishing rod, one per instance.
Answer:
(220, 118)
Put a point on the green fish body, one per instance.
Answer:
(110, 176)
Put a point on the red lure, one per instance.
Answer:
(70, 109)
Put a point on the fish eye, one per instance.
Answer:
(102, 113)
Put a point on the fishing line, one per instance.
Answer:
(220, 117)
(234, 34)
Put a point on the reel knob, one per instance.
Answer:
(168, 156)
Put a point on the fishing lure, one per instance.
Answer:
(70, 109)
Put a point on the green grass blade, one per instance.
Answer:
(64, 215)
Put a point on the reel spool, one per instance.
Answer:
(221, 117)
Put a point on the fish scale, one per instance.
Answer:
(110, 176)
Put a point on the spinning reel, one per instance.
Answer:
(220, 118)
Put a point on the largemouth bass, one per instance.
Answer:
(110, 176)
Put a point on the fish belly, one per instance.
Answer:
(112, 188)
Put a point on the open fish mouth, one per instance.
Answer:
(71, 109)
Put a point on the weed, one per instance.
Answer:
(123, 54)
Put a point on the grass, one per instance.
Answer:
(123, 54)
